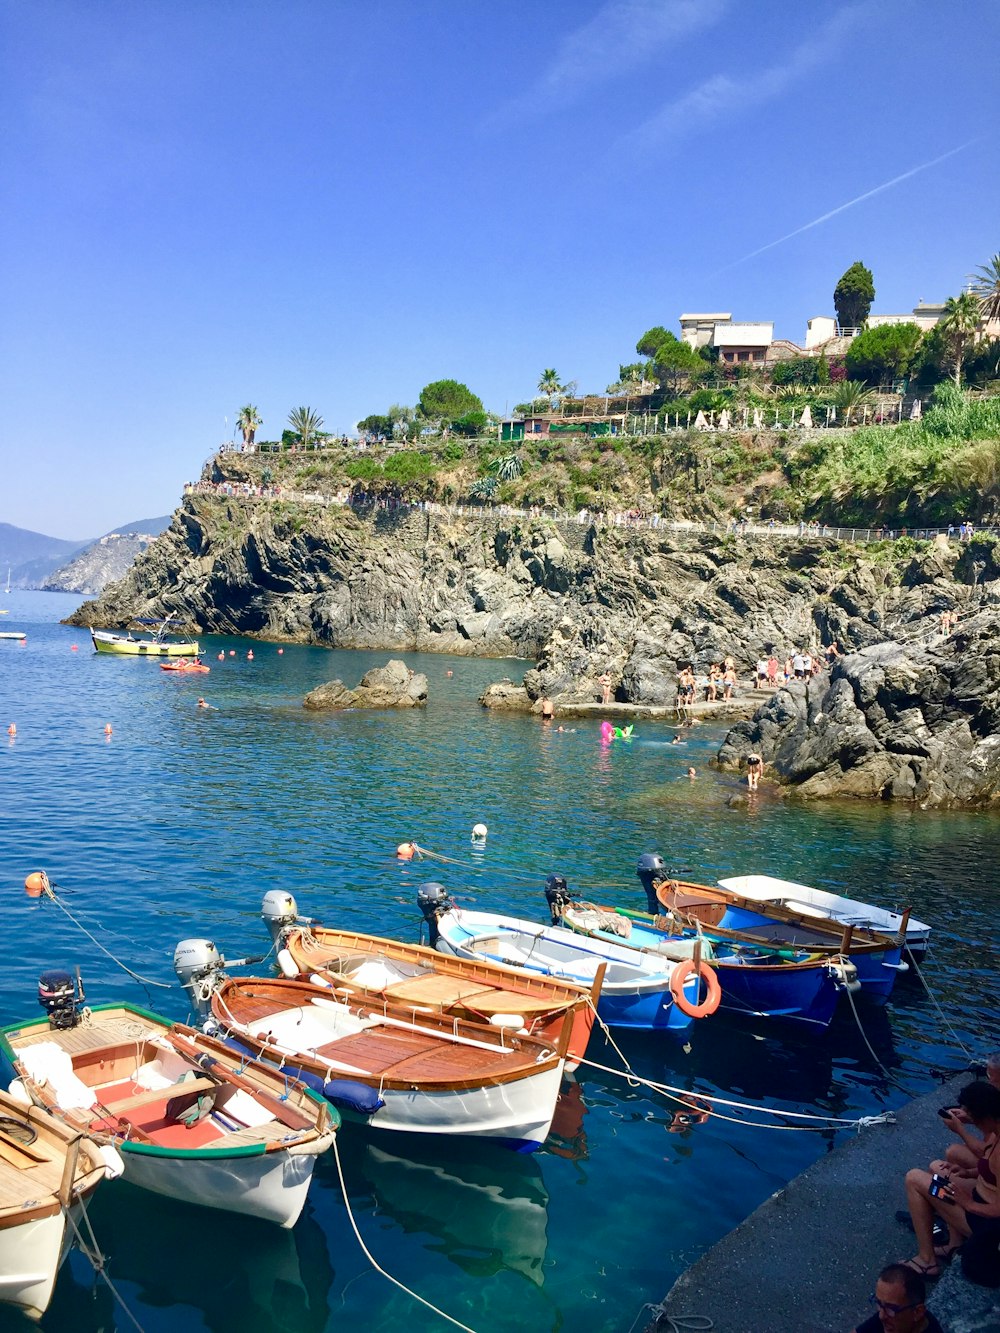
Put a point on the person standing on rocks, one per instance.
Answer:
(548, 712)
(755, 767)
(729, 680)
(604, 680)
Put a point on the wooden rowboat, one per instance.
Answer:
(47, 1171)
(423, 981)
(729, 916)
(190, 1120)
(425, 1075)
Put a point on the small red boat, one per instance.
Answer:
(184, 664)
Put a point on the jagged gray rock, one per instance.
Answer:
(916, 721)
(391, 686)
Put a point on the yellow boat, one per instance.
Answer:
(125, 645)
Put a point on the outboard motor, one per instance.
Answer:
(57, 996)
(650, 870)
(200, 969)
(558, 896)
(279, 913)
(433, 900)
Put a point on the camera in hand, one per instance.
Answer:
(939, 1185)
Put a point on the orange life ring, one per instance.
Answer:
(710, 977)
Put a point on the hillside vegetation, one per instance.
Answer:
(943, 468)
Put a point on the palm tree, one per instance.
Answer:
(960, 326)
(247, 421)
(306, 423)
(986, 288)
(548, 384)
(850, 396)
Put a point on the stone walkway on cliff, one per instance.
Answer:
(807, 1259)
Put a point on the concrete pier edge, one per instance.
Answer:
(808, 1257)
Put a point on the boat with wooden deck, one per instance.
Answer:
(725, 915)
(381, 1064)
(424, 981)
(47, 1172)
(636, 991)
(190, 1119)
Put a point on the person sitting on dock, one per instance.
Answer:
(967, 1199)
(899, 1298)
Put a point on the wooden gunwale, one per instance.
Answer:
(672, 894)
(45, 1169)
(489, 974)
(800, 965)
(418, 1060)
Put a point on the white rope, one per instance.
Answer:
(371, 1259)
(96, 1259)
(684, 1095)
(933, 999)
(146, 981)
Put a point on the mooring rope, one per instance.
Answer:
(672, 1323)
(684, 1096)
(374, 1262)
(92, 1253)
(933, 999)
(145, 981)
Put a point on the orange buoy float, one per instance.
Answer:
(222, 657)
(405, 851)
(74, 648)
(232, 652)
(107, 729)
(36, 884)
(280, 651)
(12, 730)
(250, 655)
(713, 991)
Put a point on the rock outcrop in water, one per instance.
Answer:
(914, 721)
(391, 686)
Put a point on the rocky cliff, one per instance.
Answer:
(100, 563)
(578, 599)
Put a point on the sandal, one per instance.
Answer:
(929, 1272)
(945, 1253)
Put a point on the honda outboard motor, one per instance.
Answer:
(279, 913)
(558, 896)
(57, 996)
(433, 900)
(199, 967)
(651, 870)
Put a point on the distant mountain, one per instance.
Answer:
(31, 555)
(103, 561)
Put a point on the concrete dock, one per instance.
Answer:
(807, 1259)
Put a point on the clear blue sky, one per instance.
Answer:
(210, 202)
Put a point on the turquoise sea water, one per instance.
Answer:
(176, 826)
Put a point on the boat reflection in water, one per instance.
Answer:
(250, 1277)
(488, 1220)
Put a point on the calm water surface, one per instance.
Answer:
(176, 826)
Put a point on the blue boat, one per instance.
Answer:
(727, 915)
(636, 989)
(790, 984)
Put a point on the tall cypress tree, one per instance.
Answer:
(853, 296)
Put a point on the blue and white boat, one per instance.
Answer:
(636, 990)
(760, 982)
(726, 914)
(807, 901)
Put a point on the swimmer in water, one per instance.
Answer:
(692, 773)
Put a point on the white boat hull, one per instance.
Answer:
(518, 1113)
(821, 903)
(271, 1186)
(30, 1257)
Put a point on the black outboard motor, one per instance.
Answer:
(558, 896)
(57, 996)
(433, 901)
(650, 869)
